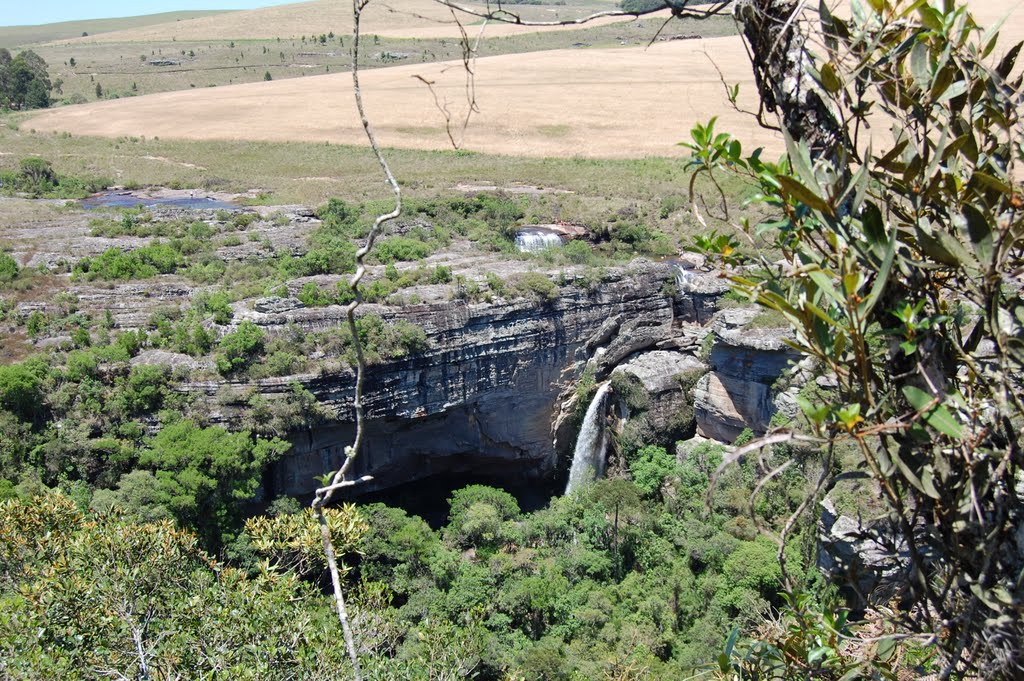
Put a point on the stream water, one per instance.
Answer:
(127, 199)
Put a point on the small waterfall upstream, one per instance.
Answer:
(537, 239)
(592, 443)
(684, 277)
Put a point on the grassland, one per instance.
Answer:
(603, 103)
(124, 69)
(309, 173)
(400, 18)
(14, 36)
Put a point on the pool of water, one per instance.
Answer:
(129, 200)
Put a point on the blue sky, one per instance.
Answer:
(19, 13)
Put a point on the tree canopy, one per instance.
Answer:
(24, 81)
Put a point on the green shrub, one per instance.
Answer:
(650, 468)
(378, 290)
(442, 274)
(312, 295)
(160, 256)
(535, 284)
(20, 386)
(244, 220)
(8, 268)
(578, 252)
(217, 304)
(141, 392)
(401, 248)
(237, 350)
(495, 283)
(113, 264)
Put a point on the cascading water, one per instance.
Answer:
(683, 277)
(588, 457)
(531, 240)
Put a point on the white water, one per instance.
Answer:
(588, 457)
(531, 240)
(684, 277)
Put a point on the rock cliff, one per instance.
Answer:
(745, 362)
(483, 396)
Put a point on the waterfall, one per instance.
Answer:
(684, 277)
(588, 457)
(530, 240)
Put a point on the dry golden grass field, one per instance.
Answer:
(396, 18)
(614, 103)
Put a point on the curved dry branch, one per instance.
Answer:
(324, 494)
(496, 11)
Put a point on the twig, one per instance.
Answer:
(323, 495)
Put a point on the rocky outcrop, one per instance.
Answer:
(737, 392)
(665, 377)
(868, 561)
(481, 398)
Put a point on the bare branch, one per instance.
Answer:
(496, 11)
(323, 495)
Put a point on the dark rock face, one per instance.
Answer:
(737, 392)
(483, 396)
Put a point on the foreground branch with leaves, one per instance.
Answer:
(896, 258)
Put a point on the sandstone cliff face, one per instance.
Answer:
(737, 392)
(481, 398)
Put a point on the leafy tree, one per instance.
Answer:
(24, 81)
(895, 262)
(650, 468)
(239, 348)
(20, 386)
(103, 596)
(205, 474)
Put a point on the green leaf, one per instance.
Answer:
(886, 649)
(936, 416)
(930, 18)
(928, 482)
(800, 160)
(954, 90)
(980, 232)
(829, 80)
(881, 279)
(824, 283)
(734, 636)
(852, 675)
(816, 413)
(798, 191)
(1009, 59)
(919, 65)
(991, 182)
(873, 224)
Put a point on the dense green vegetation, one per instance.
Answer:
(36, 178)
(617, 579)
(903, 291)
(24, 81)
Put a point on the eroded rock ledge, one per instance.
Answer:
(484, 394)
